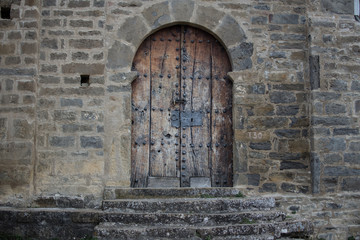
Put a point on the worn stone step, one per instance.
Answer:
(111, 193)
(202, 219)
(112, 230)
(190, 205)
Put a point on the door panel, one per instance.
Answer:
(181, 83)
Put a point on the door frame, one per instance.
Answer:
(125, 50)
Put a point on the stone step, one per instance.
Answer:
(201, 219)
(112, 193)
(111, 230)
(189, 205)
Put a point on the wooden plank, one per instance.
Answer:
(140, 117)
(222, 132)
(164, 84)
(195, 79)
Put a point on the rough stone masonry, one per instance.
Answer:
(296, 104)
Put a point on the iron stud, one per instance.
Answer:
(184, 68)
(177, 67)
(184, 41)
(176, 84)
(145, 75)
(184, 77)
(184, 135)
(208, 145)
(177, 93)
(176, 135)
(192, 145)
(208, 111)
(169, 40)
(200, 77)
(216, 111)
(184, 86)
(176, 143)
(200, 145)
(183, 152)
(161, 39)
(183, 175)
(145, 108)
(176, 159)
(208, 41)
(177, 58)
(177, 40)
(201, 111)
(161, 76)
(152, 142)
(183, 167)
(162, 143)
(192, 78)
(225, 145)
(217, 182)
(160, 86)
(225, 182)
(200, 41)
(192, 110)
(192, 41)
(144, 142)
(153, 108)
(184, 94)
(177, 49)
(176, 151)
(161, 109)
(217, 144)
(224, 111)
(183, 145)
(154, 39)
(136, 109)
(184, 128)
(208, 78)
(136, 180)
(169, 75)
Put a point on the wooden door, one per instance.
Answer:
(181, 111)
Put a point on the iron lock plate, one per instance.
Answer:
(186, 119)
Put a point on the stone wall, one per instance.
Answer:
(296, 93)
(18, 73)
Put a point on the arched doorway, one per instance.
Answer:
(181, 111)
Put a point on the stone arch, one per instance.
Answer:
(156, 16)
(221, 25)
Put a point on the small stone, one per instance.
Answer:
(91, 142)
(64, 142)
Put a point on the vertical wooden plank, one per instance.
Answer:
(164, 84)
(222, 132)
(195, 83)
(140, 117)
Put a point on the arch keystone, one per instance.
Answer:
(158, 14)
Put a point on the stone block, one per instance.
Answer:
(99, 3)
(158, 14)
(326, 96)
(339, 7)
(60, 115)
(338, 85)
(339, 171)
(60, 33)
(58, 56)
(81, 23)
(3, 128)
(268, 187)
(287, 156)
(199, 182)
(22, 129)
(261, 145)
(277, 55)
(330, 121)
(351, 184)
(14, 35)
(288, 187)
(49, 43)
(12, 60)
(259, 20)
(18, 71)
(258, 88)
(80, 56)
(208, 16)
(126, 31)
(6, 49)
(287, 133)
(48, 3)
(230, 31)
(253, 179)
(270, 122)
(287, 110)
(119, 56)
(284, 165)
(352, 158)
(79, 3)
(46, 103)
(346, 131)
(83, 68)
(85, 43)
(284, 18)
(335, 108)
(71, 102)
(9, 84)
(355, 86)
(63, 13)
(91, 116)
(298, 145)
(113, 88)
(315, 172)
(49, 79)
(240, 56)
(330, 144)
(28, 99)
(240, 157)
(9, 99)
(63, 142)
(26, 86)
(16, 151)
(91, 142)
(72, 128)
(48, 68)
(355, 146)
(182, 10)
(51, 23)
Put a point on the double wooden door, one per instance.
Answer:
(181, 111)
